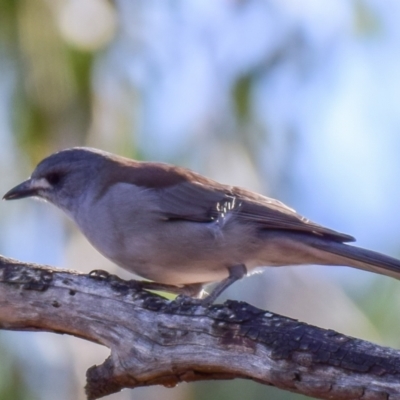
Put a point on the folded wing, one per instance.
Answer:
(205, 200)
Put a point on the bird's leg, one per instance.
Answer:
(236, 272)
(192, 293)
(194, 290)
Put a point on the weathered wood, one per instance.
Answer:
(156, 341)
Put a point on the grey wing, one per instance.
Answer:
(202, 202)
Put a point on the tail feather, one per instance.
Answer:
(360, 258)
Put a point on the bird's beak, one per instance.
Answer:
(27, 188)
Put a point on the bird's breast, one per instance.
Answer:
(127, 227)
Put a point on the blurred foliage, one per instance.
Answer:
(366, 22)
(239, 389)
(12, 383)
(241, 95)
(7, 24)
(378, 302)
(52, 98)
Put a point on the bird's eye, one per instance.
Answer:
(53, 178)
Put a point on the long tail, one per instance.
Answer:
(359, 258)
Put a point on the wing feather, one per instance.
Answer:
(186, 195)
(204, 201)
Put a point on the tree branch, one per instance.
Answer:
(156, 341)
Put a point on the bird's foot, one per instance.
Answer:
(236, 272)
(99, 274)
(193, 290)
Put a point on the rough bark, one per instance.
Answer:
(156, 341)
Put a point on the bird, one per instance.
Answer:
(181, 230)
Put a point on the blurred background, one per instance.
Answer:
(296, 100)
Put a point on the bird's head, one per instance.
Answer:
(62, 178)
